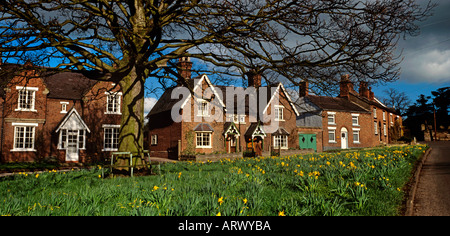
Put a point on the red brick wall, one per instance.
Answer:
(48, 116)
(289, 124)
(344, 119)
(168, 133)
(13, 115)
(94, 114)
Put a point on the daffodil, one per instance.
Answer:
(220, 201)
(281, 213)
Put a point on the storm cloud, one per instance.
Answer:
(427, 56)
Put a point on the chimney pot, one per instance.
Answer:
(184, 67)
(346, 86)
(364, 89)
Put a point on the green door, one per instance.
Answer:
(307, 141)
(312, 142)
(302, 139)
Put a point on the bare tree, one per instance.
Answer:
(129, 41)
(396, 99)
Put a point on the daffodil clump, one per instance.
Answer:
(363, 182)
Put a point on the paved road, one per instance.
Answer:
(433, 191)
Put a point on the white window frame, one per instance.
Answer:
(375, 112)
(242, 119)
(154, 139)
(63, 139)
(202, 108)
(111, 146)
(202, 134)
(355, 117)
(32, 127)
(375, 127)
(279, 113)
(384, 116)
(385, 129)
(333, 131)
(235, 118)
(114, 98)
(331, 115)
(357, 132)
(280, 140)
(64, 106)
(229, 117)
(21, 89)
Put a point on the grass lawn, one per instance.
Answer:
(343, 183)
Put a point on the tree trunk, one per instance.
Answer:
(131, 136)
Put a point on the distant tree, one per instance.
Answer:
(396, 99)
(441, 101)
(129, 41)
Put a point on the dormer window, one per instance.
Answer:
(113, 102)
(26, 98)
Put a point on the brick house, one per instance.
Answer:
(351, 120)
(210, 121)
(63, 115)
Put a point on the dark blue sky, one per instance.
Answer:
(426, 63)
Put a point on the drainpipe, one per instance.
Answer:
(2, 136)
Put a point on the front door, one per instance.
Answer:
(72, 145)
(344, 138)
(231, 143)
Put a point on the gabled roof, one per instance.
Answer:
(63, 85)
(165, 102)
(335, 104)
(203, 127)
(72, 120)
(280, 86)
(280, 131)
(230, 128)
(198, 83)
(254, 129)
(68, 85)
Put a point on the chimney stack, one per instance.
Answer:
(254, 79)
(184, 67)
(371, 94)
(303, 89)
(346, 86)
(364, 89)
